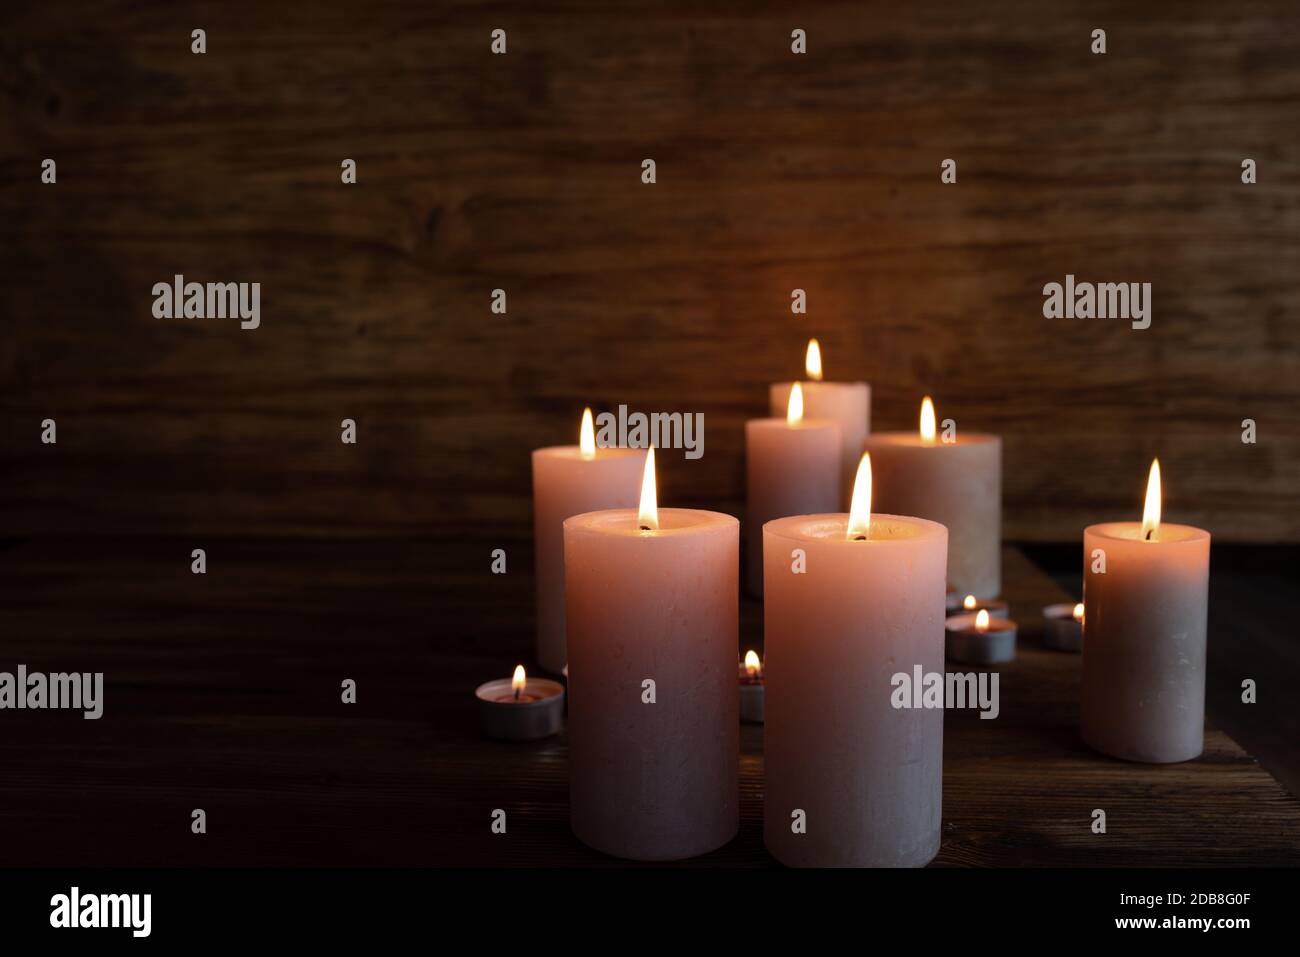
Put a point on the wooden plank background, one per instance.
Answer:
(522, 171)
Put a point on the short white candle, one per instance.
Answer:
(957, 483)
(847, 404)
(792, 467)
(1063, 626)
(1144, 623)
(996, 608)
(979, 639)
(569, 480)
(520, 708)
(751, 688)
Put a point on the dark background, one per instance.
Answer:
(522, 171)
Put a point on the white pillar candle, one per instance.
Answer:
(569, 480)
(1144, 636)
(851, 780)
(653, 701)
(957, 483)
(847, 404)
(792, 467)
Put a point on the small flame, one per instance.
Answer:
(982, 620)
(587, 435)
(1151, 510)
(860, 509)
(812, 362)
(968, 602)
(927, 421)
(753, 667)
(794, 411)
(518, 681)
(1078, 612)
(649, 517)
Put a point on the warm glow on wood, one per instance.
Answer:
(587, 435)
(812, 362)
(860, 510)
(1151, 510)
(649, 517)
(794, 411)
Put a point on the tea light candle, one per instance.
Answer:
(952, 600)
(569, 480)
(1063, 627)
(792, 468)
(980, 639)
(652, 603)
(847, 404)
(995, 607)
(751, 688)
(1145, 596)
(520, 708)
(957, 483)
(852, 781)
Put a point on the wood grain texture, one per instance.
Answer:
(521, 171)
(222, 692)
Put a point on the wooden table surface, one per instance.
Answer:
(223, 693)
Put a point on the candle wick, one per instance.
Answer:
(859, 538)
(644, 528)
(517, 690)
(1150, 532)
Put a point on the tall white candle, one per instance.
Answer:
(569, 480)
(1146, 599)
(957, 483)
(847, 404)
(851, 780)
(653, 696)
(792, 467)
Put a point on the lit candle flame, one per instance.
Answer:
(860, 510)
(794, 411)
(518, 681)
(982, 620)
(649, 517)
(587, 435)
(753, 667)
(968, 602)
(1078, 612)
(1151, 511)
(812, 362)
(927, 421)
